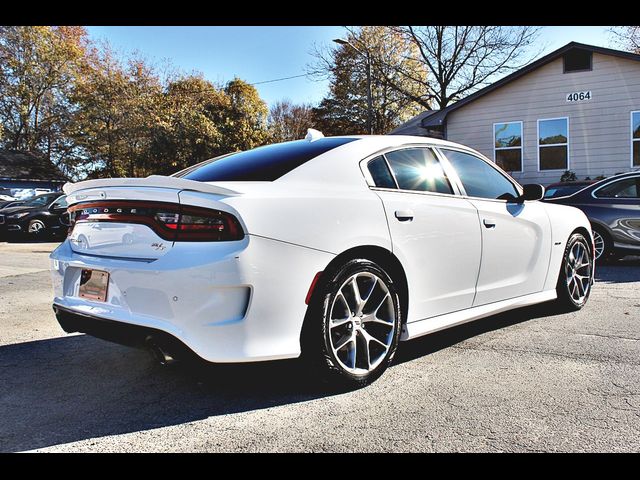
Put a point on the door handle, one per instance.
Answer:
(489, 223)
(404, 215)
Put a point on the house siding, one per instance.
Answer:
(599, 129)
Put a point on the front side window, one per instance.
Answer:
(553, 144)
(40, 200)
(418, 169)
(626, 188)
(635, 139)
(60, 203)
(480, 179)
(507, 139)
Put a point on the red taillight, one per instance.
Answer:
(169, 221)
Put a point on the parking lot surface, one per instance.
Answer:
(526, 380)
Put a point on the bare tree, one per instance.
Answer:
(627, 37)
(460, 59)
(288, 121)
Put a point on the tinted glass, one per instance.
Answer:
(418, 169)
(61, 203)
(562, 191)
(266, 163)
(553, 131)
(627, 188)
(41, 200)
(508, 134)
(479, 178)
(380, 173)
(553, 158)
(636, 154)
(509, 160)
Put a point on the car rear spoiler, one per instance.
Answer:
(160, 181)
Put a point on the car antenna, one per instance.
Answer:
(313, 134)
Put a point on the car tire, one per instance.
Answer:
(36, 228)
(576, 272)
(605, 253)
(350, 338)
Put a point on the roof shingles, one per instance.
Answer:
(28, 166)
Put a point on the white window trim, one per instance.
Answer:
(521, 147)
(631, 136)
(553, 145)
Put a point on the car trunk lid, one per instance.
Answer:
(130, 217)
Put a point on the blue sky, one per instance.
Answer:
(258, 54)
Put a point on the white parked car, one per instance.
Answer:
(331, 248)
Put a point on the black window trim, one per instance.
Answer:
(364, 168)
(393, 175)
(613, 180)
(481, 157)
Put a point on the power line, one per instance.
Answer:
(278, 79)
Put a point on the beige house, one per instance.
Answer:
(577, 108)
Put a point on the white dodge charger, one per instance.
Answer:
(334, 249)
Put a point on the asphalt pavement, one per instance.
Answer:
(526, 380)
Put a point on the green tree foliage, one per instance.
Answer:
(189, 129)
(38, 67)
(96, 114)
(288, 121)
(244, 124)
(118, 106)
(344, 110)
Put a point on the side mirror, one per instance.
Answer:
(532, 191)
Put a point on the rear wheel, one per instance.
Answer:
(574, 281)
(354, 326)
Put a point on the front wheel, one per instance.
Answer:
(576, 272)
(36, 228)
(354, 324)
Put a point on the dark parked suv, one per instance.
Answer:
(613, 208)
(37, 217)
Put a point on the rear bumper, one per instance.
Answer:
(227, 302)
(119, 332)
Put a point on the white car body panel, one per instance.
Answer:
(430, 244)
(244, 300)
(515, 251)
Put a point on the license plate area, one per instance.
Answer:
(94, 285)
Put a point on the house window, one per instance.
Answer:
(507, 138)
(553, 144)
(635, 139)
(577, 60)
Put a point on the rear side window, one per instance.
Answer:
(479, 178)
(418, 169)
(626, 188)
(266, 163)
(380, 173)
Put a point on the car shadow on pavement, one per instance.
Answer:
(74, 388)
(433, 342)
(620, 271)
